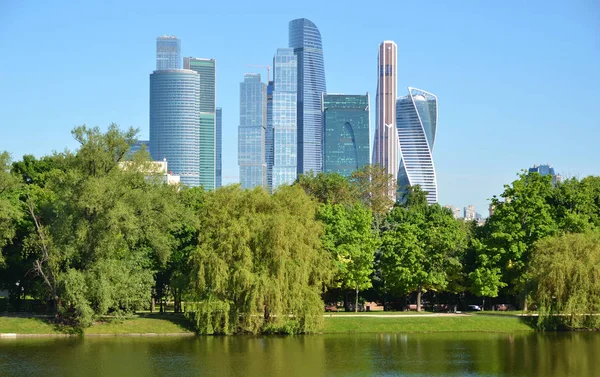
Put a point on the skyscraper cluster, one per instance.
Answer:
(185, 124)
(304, 128)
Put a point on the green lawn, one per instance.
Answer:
(157, 324)
(462, 323)
(20, 325)
(377, 313)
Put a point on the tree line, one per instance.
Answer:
(89, 236)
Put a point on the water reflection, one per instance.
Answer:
(471, 354)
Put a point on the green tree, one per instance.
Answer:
(375, 188)
(10, 206)
(566, 271)
(350, 240)
(259, 266)
(422, 248)
(524, 217)
(332, 188)
(101, 228)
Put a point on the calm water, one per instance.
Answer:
(570, 354)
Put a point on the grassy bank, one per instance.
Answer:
(176, 324)
(408, 324)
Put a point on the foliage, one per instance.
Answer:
(422, 247)
(10, 207)
(351, 242)
(327, 188)
(375, 188)
(259, 265)
(566, 270)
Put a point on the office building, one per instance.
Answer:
(469, 213)
(219, 149)
(269, 153)
(417, 124)
(284, 117)
(305, 40)
(175, 122)
(168, 53)
(138, 146)
(544, 170)
(346, 133)
(251, 132)
(208, 125)
(385, 145)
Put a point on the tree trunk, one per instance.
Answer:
(419, 290)
(356, 301)
(153, 305)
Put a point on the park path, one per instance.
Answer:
(399, 315)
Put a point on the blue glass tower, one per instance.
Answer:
(346, 136)
(284, 117)
(168, 53)
(305, 39)
(219, 148)
(175, 122)
(416, 120)
(251, 132)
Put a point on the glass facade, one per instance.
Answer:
(137, 146)
(417, 126)
(546, 170)
(175, 122)
(219, 163)
(284, 117)
(251, 132)
(305, 40)
(269, 137)
(346, 133)
(168, 53)
(208, 135)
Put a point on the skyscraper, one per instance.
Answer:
(219, 149)
(346, 133)
(285, 131)
(175, 122)
(208, 135)
(269, 153)
(251, 132)
(385, 146)
(417, 126)
(305, 39)
(168, 53)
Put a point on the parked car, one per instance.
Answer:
(331, 308)
(475, 308)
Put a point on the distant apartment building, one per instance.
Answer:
(206, 68)
(156, 169)
(469, 213)
(168, 53)
(251, 132)
(544, 170)
(346, 133)
(455, 211)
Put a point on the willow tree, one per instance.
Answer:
(566, 270)
(259, 265)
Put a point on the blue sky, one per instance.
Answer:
(517, 82)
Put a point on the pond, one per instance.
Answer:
(464, 354)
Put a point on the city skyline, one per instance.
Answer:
(473, 64)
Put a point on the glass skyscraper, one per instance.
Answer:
(175, 122)
(269, 157)
(219, 149)
(346, 133)
(546, 170)
(417, 116)
(208, 135)
(168, 53)
(251, 132)
(305, 40)
(284, 117)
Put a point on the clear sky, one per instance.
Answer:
(518, 82)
